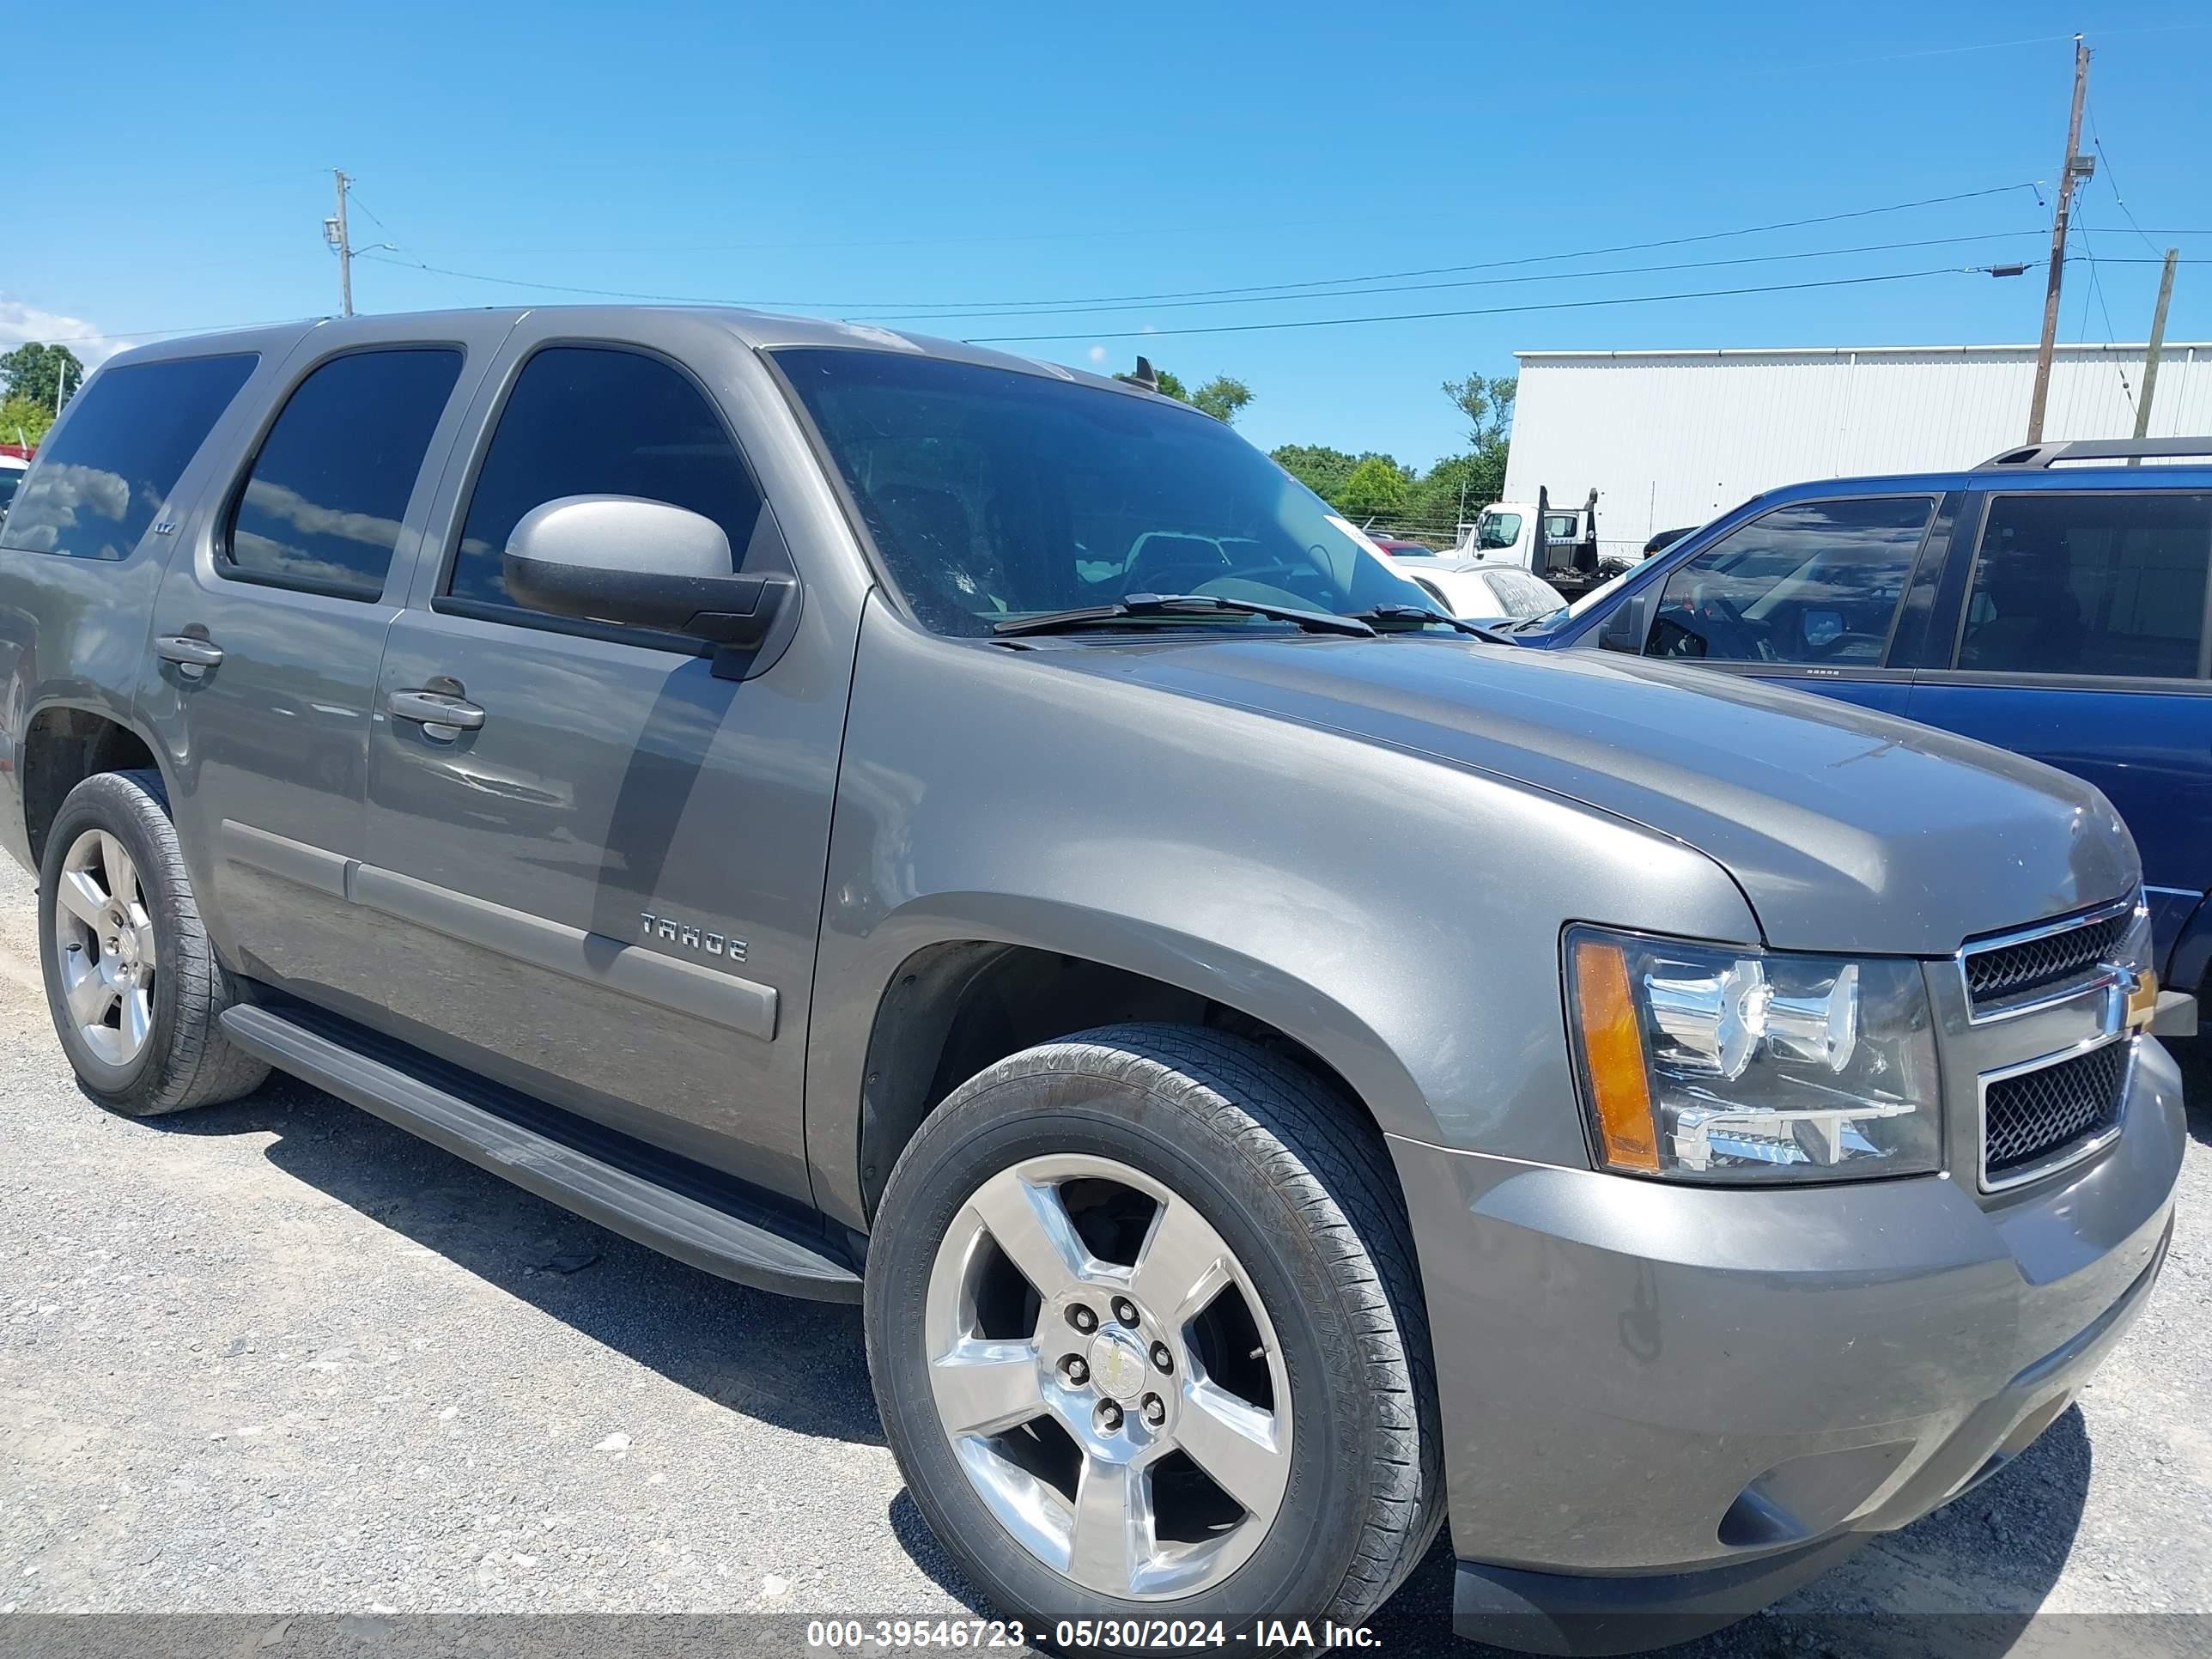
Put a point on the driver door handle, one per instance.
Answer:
(188, 651)
(434, 709)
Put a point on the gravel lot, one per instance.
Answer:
(278, 1359)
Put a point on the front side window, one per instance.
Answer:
(1816, 582)
(2108, 583)
(1500, 529)
(105, 477)
(993, 494)
(325, 499)
(600, 421)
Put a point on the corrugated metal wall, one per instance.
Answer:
(1672, 438)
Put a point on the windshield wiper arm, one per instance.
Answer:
(1181, 605)
(1401, 618)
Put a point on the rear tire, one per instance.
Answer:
(132, 980)
(1145, 1149)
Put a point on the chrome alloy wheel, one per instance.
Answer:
(104, 947)
(1107, 1378)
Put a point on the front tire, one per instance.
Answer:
(132, 982)
(1148, 1339)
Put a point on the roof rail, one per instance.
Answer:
(2098, 449)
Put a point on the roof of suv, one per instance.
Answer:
(2096, 463)
(760, 330)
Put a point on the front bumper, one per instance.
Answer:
(1726, 1388)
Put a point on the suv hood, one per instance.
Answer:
(1847, 830)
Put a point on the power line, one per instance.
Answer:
(1487, 311)
(354, 192)
(1213, 227)
(2112, 184)
(1476, 281)
(558, 288)
(1999, 45)
(2097, 291)
(974, 307)
(1489, 264)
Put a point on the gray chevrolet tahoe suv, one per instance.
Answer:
(895, 822)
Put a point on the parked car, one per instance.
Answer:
(12, 469)
(691, 763)
(1399, 547)
(1666, 538)
(1486, 593)
(2051, 601)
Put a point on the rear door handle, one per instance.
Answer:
(434, 709)
(188, 651)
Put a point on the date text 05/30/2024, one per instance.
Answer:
(1162, 1635)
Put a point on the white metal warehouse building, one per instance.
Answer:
(1672, 438)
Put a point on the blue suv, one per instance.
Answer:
(2053, 601)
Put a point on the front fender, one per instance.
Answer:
(1398, 916)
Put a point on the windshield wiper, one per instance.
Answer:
(1181, 605)
(1403, 618)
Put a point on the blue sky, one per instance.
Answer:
(169, 169)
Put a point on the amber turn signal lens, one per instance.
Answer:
(1612, 1057)
(2142, 1001)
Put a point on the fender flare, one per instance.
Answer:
(837, 1097)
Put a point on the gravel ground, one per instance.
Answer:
(277, 1358)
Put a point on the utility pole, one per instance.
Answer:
(2078, 166)
(2157, 344)
(334, 232)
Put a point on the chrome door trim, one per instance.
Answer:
(613, 964)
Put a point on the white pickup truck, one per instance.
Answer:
(1557, 544)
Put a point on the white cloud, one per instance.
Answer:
(20, 322)
(1098, 353)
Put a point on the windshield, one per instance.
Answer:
(9, 478)
(991, 494)
(1522, 595)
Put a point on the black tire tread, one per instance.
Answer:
(1324, 1153)
(200, 1067)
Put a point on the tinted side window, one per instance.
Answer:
(594, 421)
(131, 434)
(1817, 582)
(323, 504)
(2090, 583)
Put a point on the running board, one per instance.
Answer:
(703, 1235)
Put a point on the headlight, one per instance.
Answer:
(1711, 1062)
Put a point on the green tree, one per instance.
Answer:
(1447, 492)
(1222, 397)
(1320, 469)
(22, 422)
(1488, 406)
(1377, 489)
(37, 372)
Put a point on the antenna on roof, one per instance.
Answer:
(1144, 376)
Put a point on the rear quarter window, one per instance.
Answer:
(324, 501)
(2107, 582)
(106, 474)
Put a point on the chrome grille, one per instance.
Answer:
(2020, 966)
(2032, 1117)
